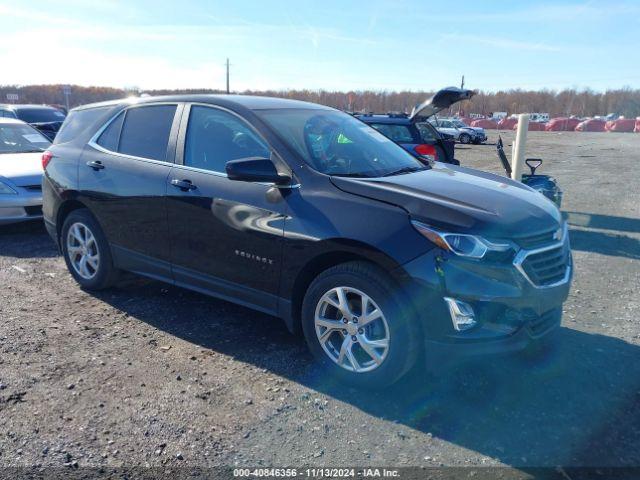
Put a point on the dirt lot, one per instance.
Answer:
(149, 374)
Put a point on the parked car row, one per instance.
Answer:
(20, 169)
(45, 118)
(559, 124)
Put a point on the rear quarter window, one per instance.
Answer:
(77, 122)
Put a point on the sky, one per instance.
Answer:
(329, 44)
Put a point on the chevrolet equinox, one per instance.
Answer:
(301, 211)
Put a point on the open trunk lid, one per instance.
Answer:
(442, 100)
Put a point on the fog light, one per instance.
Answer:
(461, 313)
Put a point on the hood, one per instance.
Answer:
(21, 169)
(475, 129)
(442, 100)
(463, 200)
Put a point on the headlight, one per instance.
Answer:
(462, 244)
(6, 189)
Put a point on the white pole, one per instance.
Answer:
(519, 147)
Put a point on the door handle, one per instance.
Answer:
(184, 185)
(95, 164)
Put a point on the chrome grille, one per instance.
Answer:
(547, 267)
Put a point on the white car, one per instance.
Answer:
(21, 148)
(459, 130)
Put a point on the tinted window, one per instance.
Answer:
(40, 115)
(109, 137)
(214, 137)
(78, 121)
(397, 133)
(145, 132)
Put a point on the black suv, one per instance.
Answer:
(306, 213)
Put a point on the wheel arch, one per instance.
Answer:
(342, 252)
(64, 210)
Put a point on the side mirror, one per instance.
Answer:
(255, 169)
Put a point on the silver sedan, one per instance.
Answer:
(21, 148)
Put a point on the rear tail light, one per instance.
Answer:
(428, 151)
(46, 158)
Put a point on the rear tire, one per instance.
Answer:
(372, 341)
(86, 251)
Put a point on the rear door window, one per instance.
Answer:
(145, 131)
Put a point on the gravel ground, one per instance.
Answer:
(149, 374)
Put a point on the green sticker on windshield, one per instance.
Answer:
(343, 139)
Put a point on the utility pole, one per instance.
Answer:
(462, 83)
(227, 75)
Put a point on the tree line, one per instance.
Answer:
(582, 103)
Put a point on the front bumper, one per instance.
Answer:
(26, 205)
(494, 339)
(511, 312)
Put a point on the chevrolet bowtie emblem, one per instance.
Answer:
(558, 234)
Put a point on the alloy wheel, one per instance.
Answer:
(82, 250)
(352, 329)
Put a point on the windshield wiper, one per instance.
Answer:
(404, 170)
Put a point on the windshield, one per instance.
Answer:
(16, 138)
(460, 124)
(40, 115)
(335, 143)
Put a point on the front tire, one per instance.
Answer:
(465, 138)
(357, 326)
(86, 251)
